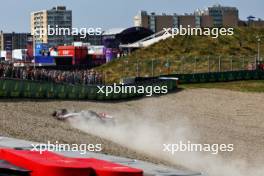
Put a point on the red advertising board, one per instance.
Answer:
(78, 53)
(66, 51)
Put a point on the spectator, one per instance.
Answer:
(84, 77)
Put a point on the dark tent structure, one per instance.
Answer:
(129, 35)
(133, 34)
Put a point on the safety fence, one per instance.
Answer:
(219, 76)
(143, 67)
(12, 88)
(186, 65)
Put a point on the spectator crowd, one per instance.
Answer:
(84, 77)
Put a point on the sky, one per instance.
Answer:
(15, 14)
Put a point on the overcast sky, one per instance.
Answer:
(15, 14)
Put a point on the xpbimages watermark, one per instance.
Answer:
(61, 31)
(57, 147)
(132, 89)
(213, 32)
(192, 147)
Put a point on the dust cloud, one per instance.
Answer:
(147, 135)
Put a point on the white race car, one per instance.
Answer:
(64, 114)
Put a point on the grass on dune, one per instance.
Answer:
(183, 49)
(242, 86)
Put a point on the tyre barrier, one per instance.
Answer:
(15, 88)
(219, 76)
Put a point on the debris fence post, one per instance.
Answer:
(195, 64)
(219, 64)
(123, 70)
(182, 65)
(231, 64)
(104, 77)
(137, 69)
(152, 67)
(168, 66)
(208, 60)
(243, 63)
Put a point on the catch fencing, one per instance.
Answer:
(181, 65)
(219, 76)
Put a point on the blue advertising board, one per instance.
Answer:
(44, 60)
(41, 49)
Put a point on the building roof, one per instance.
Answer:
(133, 34)
(113, 31)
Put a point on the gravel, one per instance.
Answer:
(210, 115)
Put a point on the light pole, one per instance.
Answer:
(258, 58)
(152, 67)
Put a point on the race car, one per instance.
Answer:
(64, 114)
